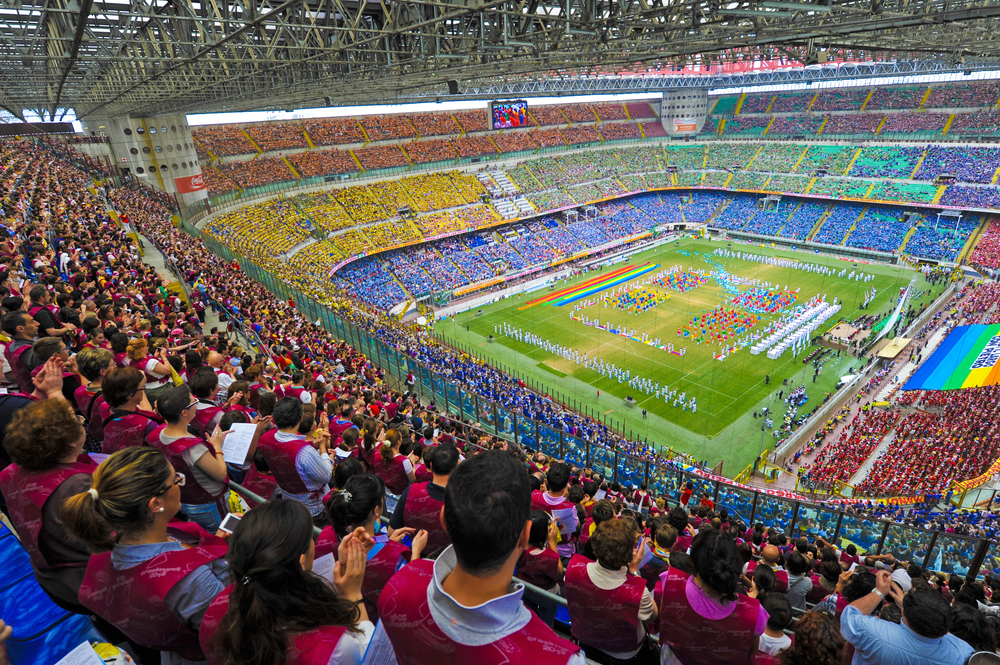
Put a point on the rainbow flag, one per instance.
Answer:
(592, 286)
(968, 357)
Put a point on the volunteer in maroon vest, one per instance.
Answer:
(204, 384)
(126, 415)
(463, 607)
(257, 387)
(45, 441)
(156, 370)
(554, 502)
(303, 472)
(297, 617)
(93, 365)
(205, 496)
(22, 329)
(361, 504)
(420, 504)
(50, 347)
(43, 310)
(297, 390)
(150, 578)
(341, 423)
(607, 599)
(394, 468)
(603, 511)
(702, 618)
(540, 564)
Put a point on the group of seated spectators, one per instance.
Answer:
(387, 127)
(221, 141)
(381, 157)
(986, 253)
(257, 172)
(278, 136)
(929, 450)
(839, 460)
(318, 163)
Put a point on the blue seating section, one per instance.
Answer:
(736, 214)
(768, 222)
(43, 632)
(837, 224)
(942, 243)
(881, 229)
(802, 220)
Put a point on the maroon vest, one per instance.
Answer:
(260, 483)
(203, 418)
(294, 393)
(256, 392)
(817, 593)
(134, 599)
(422, 475)
(151, 380)
(280, 457)
(309, 648)
(191, 492)
(422, 511)
(696, 640)
(682, 544)
(91, 404)
(26, 493)
(327, 542)
(380, 569)
(21, 372)
(780, 577)
(125, 431)
(541, 569)
(602, 618)
(417, 640)
(393, 473)
(584, 534)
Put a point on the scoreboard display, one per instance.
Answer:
(506, 115)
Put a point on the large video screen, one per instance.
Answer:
(509, 114)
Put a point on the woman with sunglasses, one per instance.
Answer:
(151, 579)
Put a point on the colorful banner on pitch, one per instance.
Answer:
(969, 357)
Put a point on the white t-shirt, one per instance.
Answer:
(772, 645)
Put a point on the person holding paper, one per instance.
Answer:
(277, 609)
(463, 608)
(554, 502)
(151, 577)
(303, 472)
(608, 602)
(361, 504)
(45, 442)
(205, 495)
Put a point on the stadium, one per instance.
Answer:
(497, 333)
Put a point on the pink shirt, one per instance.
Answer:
(715, 609)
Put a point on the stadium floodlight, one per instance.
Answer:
(753, 12)
(797, 6)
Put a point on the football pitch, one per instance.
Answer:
(728, 385)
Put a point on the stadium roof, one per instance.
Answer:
(154, 56)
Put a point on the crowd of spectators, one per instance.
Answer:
(548, 115)
(838, 223)
(333, 131)
(886, 162)
(257, 172)
(985, 122)
(435, 150)
(473, 121)
(852, 123)
(753, 125)
(906, 123)
(986, 253)
(381, 157)
(615, 131)
(960, 440)
(221, 141)
(475, 145)
(279, 136)
(965, 163)
(318, 163)
(837, 461)
(896, 97)
(388, 127)
(515, 141)
(881, 229)
(795, 125)
(940, 240)
(434, 124)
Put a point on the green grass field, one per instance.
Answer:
(727, 391)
